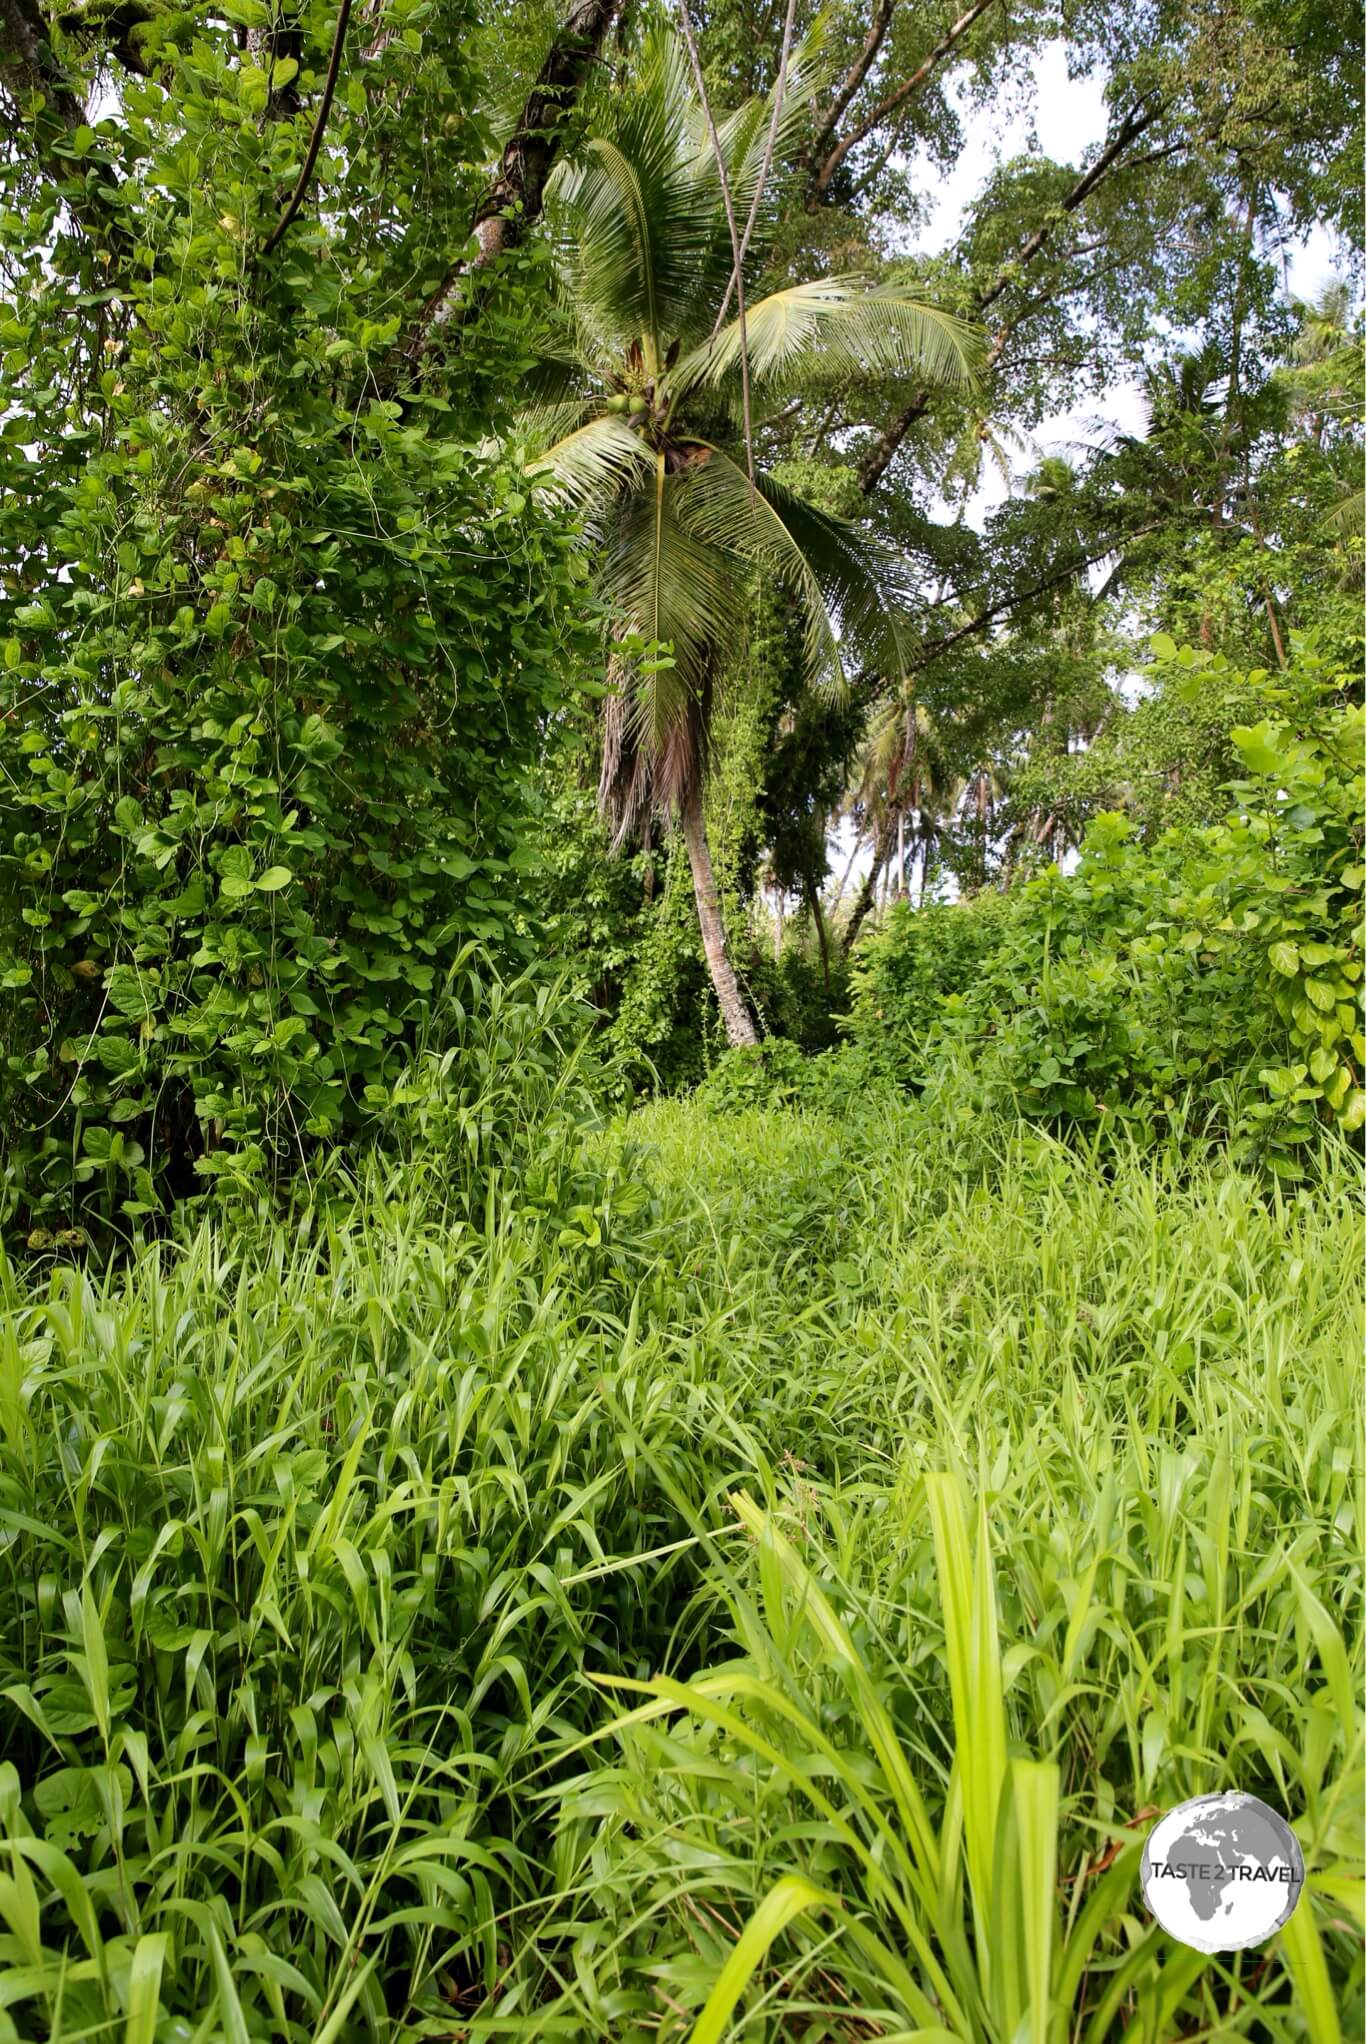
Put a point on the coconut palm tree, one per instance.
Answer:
(906, 795)
(649, 402)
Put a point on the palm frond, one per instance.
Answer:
(867, 583)
(863, 585)
(542, 426)
(744, 143)
(1348, 516)
(638, 220)
(669, 585)
(589, 469)
(560, 370)
(629, 231)
(668, 582)
(852, 590)
(831, 328)
(637, 780)
(745, 160)
(717, 504)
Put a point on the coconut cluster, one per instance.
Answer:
(631, 404)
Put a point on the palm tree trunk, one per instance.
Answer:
(863, 902)
(734, 1014)
(813, 902)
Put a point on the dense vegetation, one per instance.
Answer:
(325, 1541)
(681, 1098)
(1209, 979)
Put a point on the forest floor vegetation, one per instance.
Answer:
(755, 1576)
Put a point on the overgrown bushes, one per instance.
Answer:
(279, 646)
(1212, 981)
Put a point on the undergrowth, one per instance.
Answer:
(755, 1577)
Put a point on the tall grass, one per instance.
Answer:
(758, 1580)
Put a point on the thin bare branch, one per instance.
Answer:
(1017, 598)
(729, 203)
(779, 94)
(854, 77)
(315, 139)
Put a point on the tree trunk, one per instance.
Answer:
(512, 202)
(844, 877)
(735, 1015)
(813, 902)
(867, 894)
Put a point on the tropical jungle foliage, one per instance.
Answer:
(1213, 978)
(279, 648)
(681, 1047)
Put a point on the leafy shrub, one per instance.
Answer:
(777, 1073)
(798, 995)
(278, 651)
(768, 1074)
(1214, 979)
(905, 970)
(1164, 761)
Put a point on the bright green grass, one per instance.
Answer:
(934, 1509)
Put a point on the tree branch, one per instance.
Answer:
(858, 71)
(315, 139)
(1019, 597)
(876, 464)
(114, 29)
(44, 97)
(867, 894)
(27, 65)
(893, 102)
(515, 197)
(1135, 124)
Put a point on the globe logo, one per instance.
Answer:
(1222, 1872)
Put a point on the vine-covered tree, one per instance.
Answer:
(279, 642)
